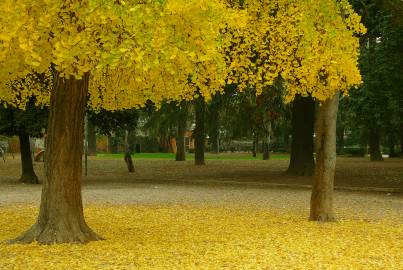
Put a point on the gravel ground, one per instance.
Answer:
(164, 182)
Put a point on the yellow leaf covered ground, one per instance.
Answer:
(207, 237)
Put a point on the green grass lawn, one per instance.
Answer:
(210, 156)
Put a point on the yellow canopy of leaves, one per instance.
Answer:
(311, 45)
(154, 50)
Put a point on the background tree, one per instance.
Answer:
(374, 107)
(213, 110)
(120, 124)
(162, 123)
(24, 123)
(199, 133)
(303, 118)
(182, 111)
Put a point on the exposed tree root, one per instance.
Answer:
(322, 217)
(56, 234)
(29, 179)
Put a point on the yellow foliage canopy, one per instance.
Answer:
(311, 45)
(154, 50)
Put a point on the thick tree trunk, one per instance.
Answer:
(92, 140)
(374, 145)
(322, 190)
(28, 173)
(303, 116)
(61, 218)
(180, 139)
(199, 132)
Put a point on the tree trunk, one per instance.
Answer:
(214, 129)
(322, 190)
(129, 160)
(28, 173)
(266, 154)
(182, 126)
(340, 141)
(266, 143)
(401, 121)
(374, 145)
(199, 134)
(392, 144)
(255, 144)
(401, 140)
(92, 140)
(61, 218)
(303, 116)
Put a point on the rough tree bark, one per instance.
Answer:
(374, 145)
(92, 140)
(303, 117)
(28, 174)
(182, 126)
(322, 190)
(61, 218)
(199, 132)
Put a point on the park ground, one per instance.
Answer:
(233, 213)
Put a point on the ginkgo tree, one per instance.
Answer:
(120, 54)
(123, 53)
(313, 46)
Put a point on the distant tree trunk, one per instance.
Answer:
(61, 218)
(215, 127)
(392, 144)
(401, 141)
(340, 141)
(199, 133)
(374, 144)
(182, 127)
(266, 153)
(303, 116)
(129, 160)
(401, 121)
(28, 173)
(92, 140)
(322, 190)
(255, 144)
(128, 153)
(266, 143)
